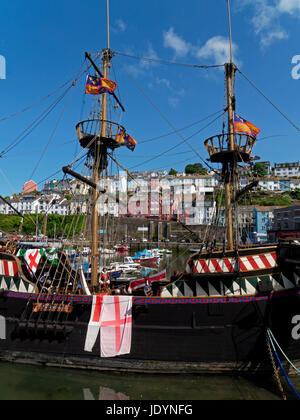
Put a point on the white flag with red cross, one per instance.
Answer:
(112, 315)
(32, 259)
(94, 324)
(116, 326)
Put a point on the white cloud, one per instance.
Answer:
(288, 6)
(119, 26)
(216, 49)
(142, 66)
(165, 82)
(150, 53)
(272, 36)
(266, 18)
(174, 93)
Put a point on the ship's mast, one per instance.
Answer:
(98, 162)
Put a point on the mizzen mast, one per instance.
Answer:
(230, 149)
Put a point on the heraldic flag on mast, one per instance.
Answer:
(130, 142)
(93, 85)
(97, 85)
(243, 126)
(127, 140)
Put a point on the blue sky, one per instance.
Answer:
(43, 44)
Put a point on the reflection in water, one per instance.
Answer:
(105, 394)
(35, 383)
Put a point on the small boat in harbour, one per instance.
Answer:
(146, 258)
(128, 266)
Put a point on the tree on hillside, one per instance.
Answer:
(195, 169)
(173, 172)
(259, 170)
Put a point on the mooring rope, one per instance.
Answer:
(270, 340)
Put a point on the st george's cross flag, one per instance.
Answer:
(94, 324)
(32, 259)
(116, 326)
(112, 315)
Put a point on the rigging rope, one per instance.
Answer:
(182, 129)
(169, 123)
(268, 100)
(52, 134)
(182, 142)
(34, 124)
(44, 98)
(156, 60)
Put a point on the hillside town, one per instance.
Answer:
(271, 210)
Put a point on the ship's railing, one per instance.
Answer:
(243, 143)
(88, 128)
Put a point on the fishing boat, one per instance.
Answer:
(216, 316)
(146, 258)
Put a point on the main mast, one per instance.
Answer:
(100, 157)
(229, 149)
(99, 136)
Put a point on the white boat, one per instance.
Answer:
(106, 251)
(128, 266)
(160, 252)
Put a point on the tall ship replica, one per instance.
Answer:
(219, 315)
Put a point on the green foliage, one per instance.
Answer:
(295, 195)
(259, 170)
(66, 226)
(264, 199)
(173, 172)
(257, 199)
(196, 169)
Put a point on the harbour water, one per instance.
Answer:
(20, 382)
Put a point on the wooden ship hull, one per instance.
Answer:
(224, 330)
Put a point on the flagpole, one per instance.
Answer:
(108, 39)
(230, 31)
